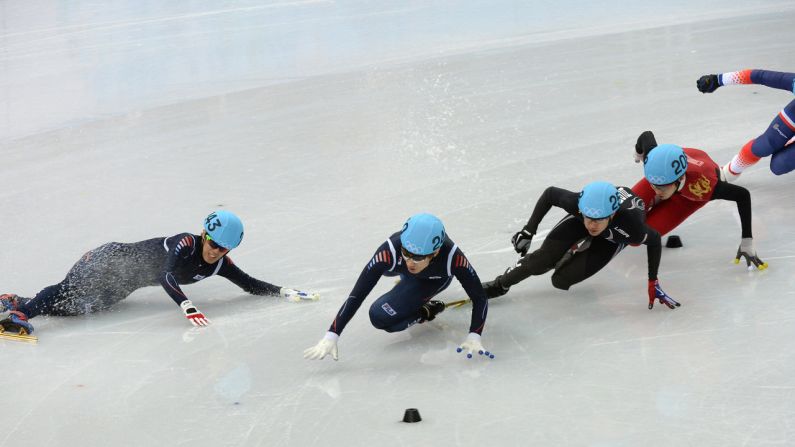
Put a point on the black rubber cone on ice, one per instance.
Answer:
(411, 415)
(673, 242)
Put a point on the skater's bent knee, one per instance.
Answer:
(376, 317)
(560, 283)
(780, 168)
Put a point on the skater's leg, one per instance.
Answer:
(585, 264)
(402, 306)
(565, 234)
(777, 135)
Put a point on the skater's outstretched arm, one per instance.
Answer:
(384, 259)
(747, 250)
(466, 275)
(241, 279)
(773, 79)
(552, 196)
(735, 193)
(183, 247)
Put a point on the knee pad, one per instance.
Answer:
(559, 283)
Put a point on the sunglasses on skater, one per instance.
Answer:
(416, 258)
(213, 244)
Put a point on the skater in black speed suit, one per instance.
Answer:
(108, 274)
(602, 221)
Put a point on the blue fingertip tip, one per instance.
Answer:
(458, 350)
(491, 356)
(480, 352)
(469, 356)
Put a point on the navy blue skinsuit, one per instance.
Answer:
(775, 138)
(399, 308)
(108, 274)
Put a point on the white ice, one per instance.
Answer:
(325, 125)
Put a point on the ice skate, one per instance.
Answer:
(727, 175)
(494, 288)
(430, 310)
(16, 327)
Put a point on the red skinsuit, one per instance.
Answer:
(700, 180)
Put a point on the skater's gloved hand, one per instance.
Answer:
(193, 314)
(645, 143)
(327, 345)
(298, 295)
(708, 83)
(521, 241)
(656, 292)
(748, 252)
(472, 344)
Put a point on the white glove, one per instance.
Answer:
(748, 251)
(297, 295)
(193, 314)
(472, 344)
(327, 345)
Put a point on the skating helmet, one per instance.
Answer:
(422, 234)
(224, 228)
(598, 200)
(665, 164)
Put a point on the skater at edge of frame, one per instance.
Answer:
(776, 141)
(108, 274)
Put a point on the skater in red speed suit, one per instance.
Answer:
(679, 181)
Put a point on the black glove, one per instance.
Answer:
(708, 83)
(521, 241)
(646, 143)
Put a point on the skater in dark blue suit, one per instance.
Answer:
(426, 260)
(108, 274)
(776, 141)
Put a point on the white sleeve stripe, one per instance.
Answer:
(394, 256)
(218, 267)
(450, 259)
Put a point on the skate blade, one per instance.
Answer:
(453, 304)
(304, 297)
(19, 337)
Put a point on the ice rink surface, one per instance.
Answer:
(325, 125)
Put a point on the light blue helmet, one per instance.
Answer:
(224, 228)
(665, 164)
(422, 234)
(598, 200)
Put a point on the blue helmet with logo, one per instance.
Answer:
(598, 200)
(422, 234)
(665, 164)
(224, 228)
